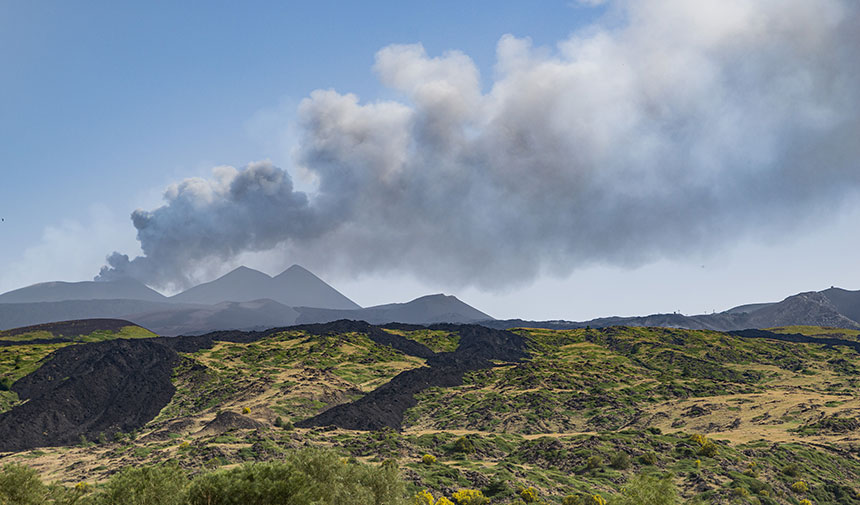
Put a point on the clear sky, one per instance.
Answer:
(103, 105)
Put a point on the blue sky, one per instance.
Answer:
(104, 104)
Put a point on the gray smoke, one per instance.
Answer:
(671, 128)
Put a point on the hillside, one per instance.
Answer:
(23, 350)
(428, 309)
(128, 289)
(731, 416)
(832, 307)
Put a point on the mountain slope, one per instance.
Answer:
(240, 285)
(809, 309)
(189, 320)
(424, 310)
(300, 288)
(846, 302)
(129, 289)
(14, 315)
(293, 287)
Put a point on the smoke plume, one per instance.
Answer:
(670, 128)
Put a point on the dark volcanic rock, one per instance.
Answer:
(385, 406)
(225, 421)
(103, 387)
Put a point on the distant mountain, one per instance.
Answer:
(813, 309)
(128, 289)
(425, 310)
(294, 287)
(192, 320)
(832, 307)
(846, 302)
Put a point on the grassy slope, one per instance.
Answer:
(17, 361)
(96, 336)
(776, 412)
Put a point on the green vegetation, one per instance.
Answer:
(300, 374)
(96, 336)
(16, 361)
(616, 416)
(435, 340)
(306, 477)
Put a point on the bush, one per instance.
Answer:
(444, 501)
(423, 498)
(620, 461)
(304, 477)
(593, 462)
(800, 487)
(470, 497)
(5, 384)
(594, 499)
(464, 445)
(284, 425)
(648, 490)
(706, 447)
(529, 495)
(428, 459)
(20, 485)
(148, 485)
(649, 458)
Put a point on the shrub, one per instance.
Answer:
(284, 425)
(709, 449)
(570, 500)
(649, 458)
(593, 462)
(470, 497)
(20, 485)
(423, 498)
(464, 445)
(800, 487)
(428, 459)
(805, 502)
(147, 485)
(444, 501)
(529, 495)
(594, 499)
(496, 486)
(648, 490)
(302, 478)
(706, 447)
(620, 461)
(246, 410)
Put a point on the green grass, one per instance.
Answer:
(96, 336)
(435, 340)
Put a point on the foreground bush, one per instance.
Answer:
(147, 485)
(306, 477)
(648, 490)
(20, 485)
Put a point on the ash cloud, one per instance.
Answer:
(667, 130)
